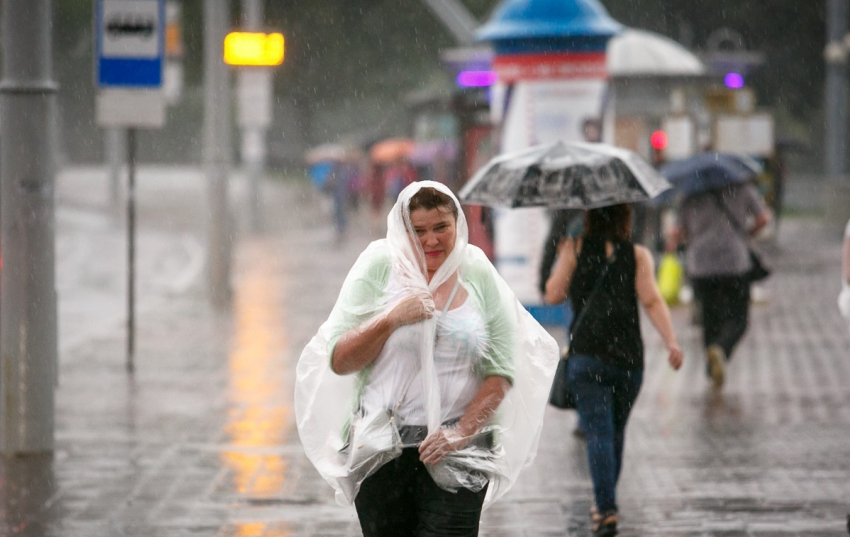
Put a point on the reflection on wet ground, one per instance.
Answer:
(258, 413)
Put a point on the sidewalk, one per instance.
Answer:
(201, 440)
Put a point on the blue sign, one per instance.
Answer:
(130, 43)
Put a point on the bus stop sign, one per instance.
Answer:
(130, 47)
(130, 43)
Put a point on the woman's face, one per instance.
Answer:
(436, 231)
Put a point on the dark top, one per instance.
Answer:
(610, 330)
(564, 223)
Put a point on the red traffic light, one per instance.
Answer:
(658, 140)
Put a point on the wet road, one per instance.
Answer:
(201, 440)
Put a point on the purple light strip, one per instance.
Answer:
(476, 79)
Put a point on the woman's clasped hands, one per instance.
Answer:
(440, 444)
(417, 307)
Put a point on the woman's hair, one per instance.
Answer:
(612, 223)
(431, 198)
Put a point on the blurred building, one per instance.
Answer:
(652, 95)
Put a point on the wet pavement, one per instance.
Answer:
(200, 441)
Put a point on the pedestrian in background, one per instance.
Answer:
(563, 223)
(337, 184)
(712, 224)
(844, 296)
(397, 176)
(424, 330)
(605, 274)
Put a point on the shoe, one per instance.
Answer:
(605, 525)
(716, 363)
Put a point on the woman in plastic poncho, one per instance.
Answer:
(425, 328)
(605, 368)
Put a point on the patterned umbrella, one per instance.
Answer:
(563, 175)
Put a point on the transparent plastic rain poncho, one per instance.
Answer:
(388, 271)
(844, 295)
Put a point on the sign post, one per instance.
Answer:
(130, 45)
(254, 54)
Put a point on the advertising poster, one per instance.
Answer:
(539, 111)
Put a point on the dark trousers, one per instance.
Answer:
(725, 305)
(402, 500)
(604, 398)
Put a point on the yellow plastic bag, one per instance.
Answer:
(670, 274)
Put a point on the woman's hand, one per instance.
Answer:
(676, 355)
(359, 347)
(477, 415)
(412, 309)
(440, 444)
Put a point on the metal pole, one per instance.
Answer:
(835, 110)
(836, 89)
(115, 143)
(456, 18)
(28, 342)
(131, 249)
(217, 148)
(254, 138)
(252, 13)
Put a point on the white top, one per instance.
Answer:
(459, 346)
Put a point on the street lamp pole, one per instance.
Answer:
(28, 340)
(835, 111)
(254, 137)
(217, 149)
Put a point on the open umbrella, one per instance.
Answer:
(325, 153)
(391, 149)
(709, 171)
(563, 175)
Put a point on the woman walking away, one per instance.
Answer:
(422, 396)
(605, 274)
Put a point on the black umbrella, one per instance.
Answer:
(709, 171)
(564, 175)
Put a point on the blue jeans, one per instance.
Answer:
(604, 398)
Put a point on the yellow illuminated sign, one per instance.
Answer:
(251, 48)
